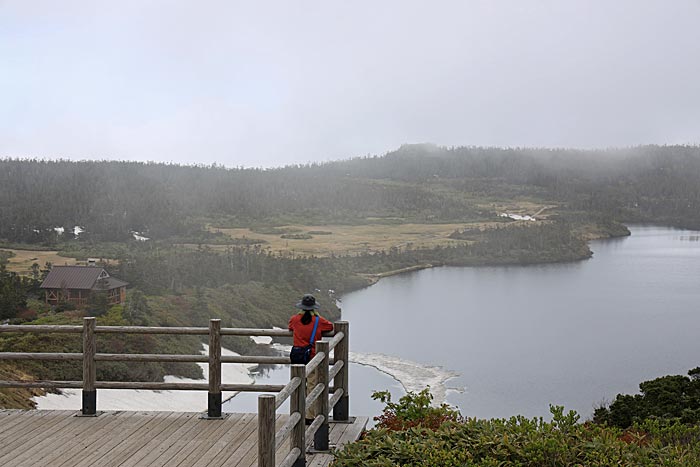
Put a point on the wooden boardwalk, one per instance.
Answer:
(58, 438)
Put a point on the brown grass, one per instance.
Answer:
(22, 260)
(354, 239)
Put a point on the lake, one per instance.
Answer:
(500, 341)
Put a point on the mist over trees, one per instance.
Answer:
(420, 183)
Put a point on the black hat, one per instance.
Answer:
(308, 302)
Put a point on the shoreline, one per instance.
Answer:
(373, 278)
(410, 375)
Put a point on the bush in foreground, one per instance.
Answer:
(673, 397)
(401, 440)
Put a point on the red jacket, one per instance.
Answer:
(302, 332)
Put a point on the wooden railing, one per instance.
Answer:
(295, 390)
(268, 440)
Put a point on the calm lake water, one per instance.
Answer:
(523, 337)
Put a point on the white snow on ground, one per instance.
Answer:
(517, 217)
(261, 339)
(411, 375)
(267, 340)
(134, 400)
(137, 236)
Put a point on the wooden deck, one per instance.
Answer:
(60, 439)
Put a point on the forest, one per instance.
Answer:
(161, 228)
(422, 183)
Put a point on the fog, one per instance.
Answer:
(274, 83)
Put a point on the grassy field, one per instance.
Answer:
(351, 239)
(22, 260)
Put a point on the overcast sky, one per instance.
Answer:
(263, 83)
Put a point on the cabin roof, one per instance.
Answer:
(80, 277)
(109, 284)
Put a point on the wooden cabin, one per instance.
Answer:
(75, 284)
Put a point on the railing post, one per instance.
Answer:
(89, 369)
(298, 404)
(321, 437)
(214, 402)
(266, 431)
(341, 411)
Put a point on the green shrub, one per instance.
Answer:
(673, 397)
(413, 410)
(517, 441)
(296, 236)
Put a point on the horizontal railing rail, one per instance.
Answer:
(192, 331)
(325, 368)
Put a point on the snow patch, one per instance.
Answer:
(261, 339)
(171, 401)
(267, 340)
(517, 217)
(138, 237)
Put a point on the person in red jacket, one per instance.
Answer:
(302, 325)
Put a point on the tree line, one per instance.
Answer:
(422, 183)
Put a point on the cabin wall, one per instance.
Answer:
(81, 297)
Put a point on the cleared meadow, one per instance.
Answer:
(22, 260)
(351, 239)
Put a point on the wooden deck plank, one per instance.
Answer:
(320, 460)
(239, 445)
(133, 424)
(125, 449)
(16, 444)
(336, 432)
(10, 420)
(165, 457)
(136, 457)
(224, 440)
(199, 440)
(340, 434)
(352, 432)
(251, 457)
(23, 424)
(217, 429)
(55, 444)
(167, 445)
(114, 423)
(35, 428)
(140, 439)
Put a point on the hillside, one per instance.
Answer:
(417, 183)
(242, 244)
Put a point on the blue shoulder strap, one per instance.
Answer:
(313, 333)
